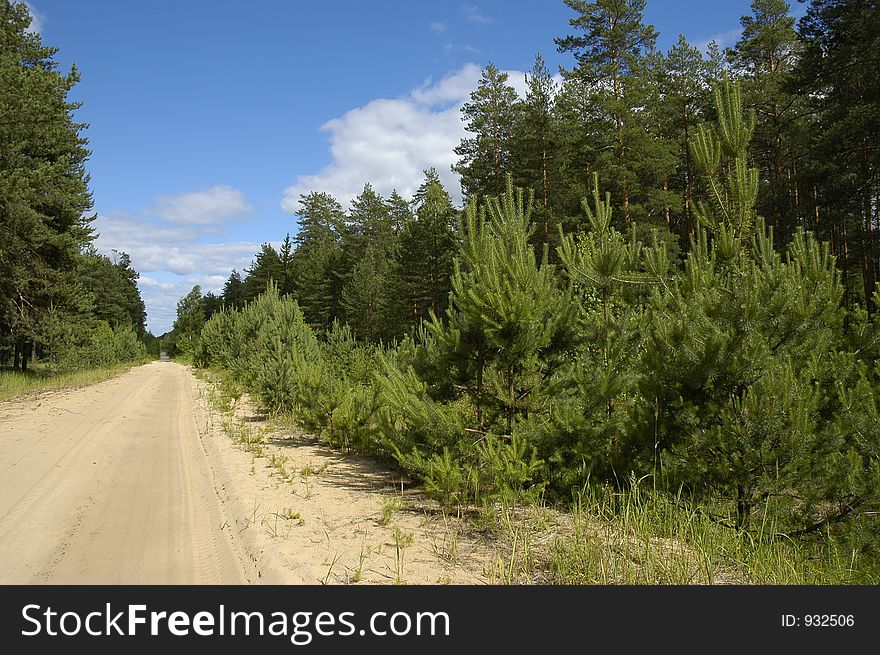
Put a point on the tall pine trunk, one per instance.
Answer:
(481, 363)
(743, 508)
(869, 277)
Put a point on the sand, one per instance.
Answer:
(142, 480)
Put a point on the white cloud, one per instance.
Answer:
(167, 241)
(38, 20)
(390, 142)
(453, 88)
(161, 300)
(175, 249)
(438, 27)
(472, 14)
(217, 204)
(725, 39)
(152, 282)
(192, 258)
(517, 79)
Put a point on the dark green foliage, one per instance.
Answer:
(686, 77)
(59, 299)
(367, 249)
(595, 394)
(508, 319)
(766, 56)
(369, 227)
(421, 263)
(365, 296)
(44, 194)
(611, 47)
(735, 353)
(189, 322)
(113, 283)
(537, 147)
(318, 258)
(485, 158)
(233, 293)
(286, 274)
(840, 186)
(266, 270)
(211, 304)
(749, 397)
(696, 337)
(87, 343)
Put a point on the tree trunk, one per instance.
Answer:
(511, 399)
(544, 166)
(743, 509)
(618, 124)
(546, 195)
(498, 185)
(481, 362)
(665, 191)
(688, 191)
(846, 282)
(869, 277)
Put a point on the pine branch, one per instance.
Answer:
(854, 503)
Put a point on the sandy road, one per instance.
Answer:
(111, 484)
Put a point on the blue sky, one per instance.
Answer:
(209, 118)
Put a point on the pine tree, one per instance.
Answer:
(365, 295)
(507, 316)
(720, 153)
(318, 258)
(369, 226)
(399, 211)
(366, 246)
(233, 293)
(612, 276)
(286, 274)
(189, 321)
(113, 284)
(687, 79)
(422, 262)
(579, 130)
(748, 392)
(490, 115)
(611, 61)
(43, 186)
(266, 269)
(765, 56)
(837, 74)
(265, 346)
(535, 144)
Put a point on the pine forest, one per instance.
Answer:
(657, 304)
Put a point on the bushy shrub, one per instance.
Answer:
(73, 344)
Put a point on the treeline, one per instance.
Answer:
(60, 301)
(627, 113)
(737, 378)
(382, 268)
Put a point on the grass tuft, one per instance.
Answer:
(16, 383)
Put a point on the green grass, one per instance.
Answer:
(637, 536)
(16, 383)
(647, 537)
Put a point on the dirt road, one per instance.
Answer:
(142, 479)
(111, 484)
